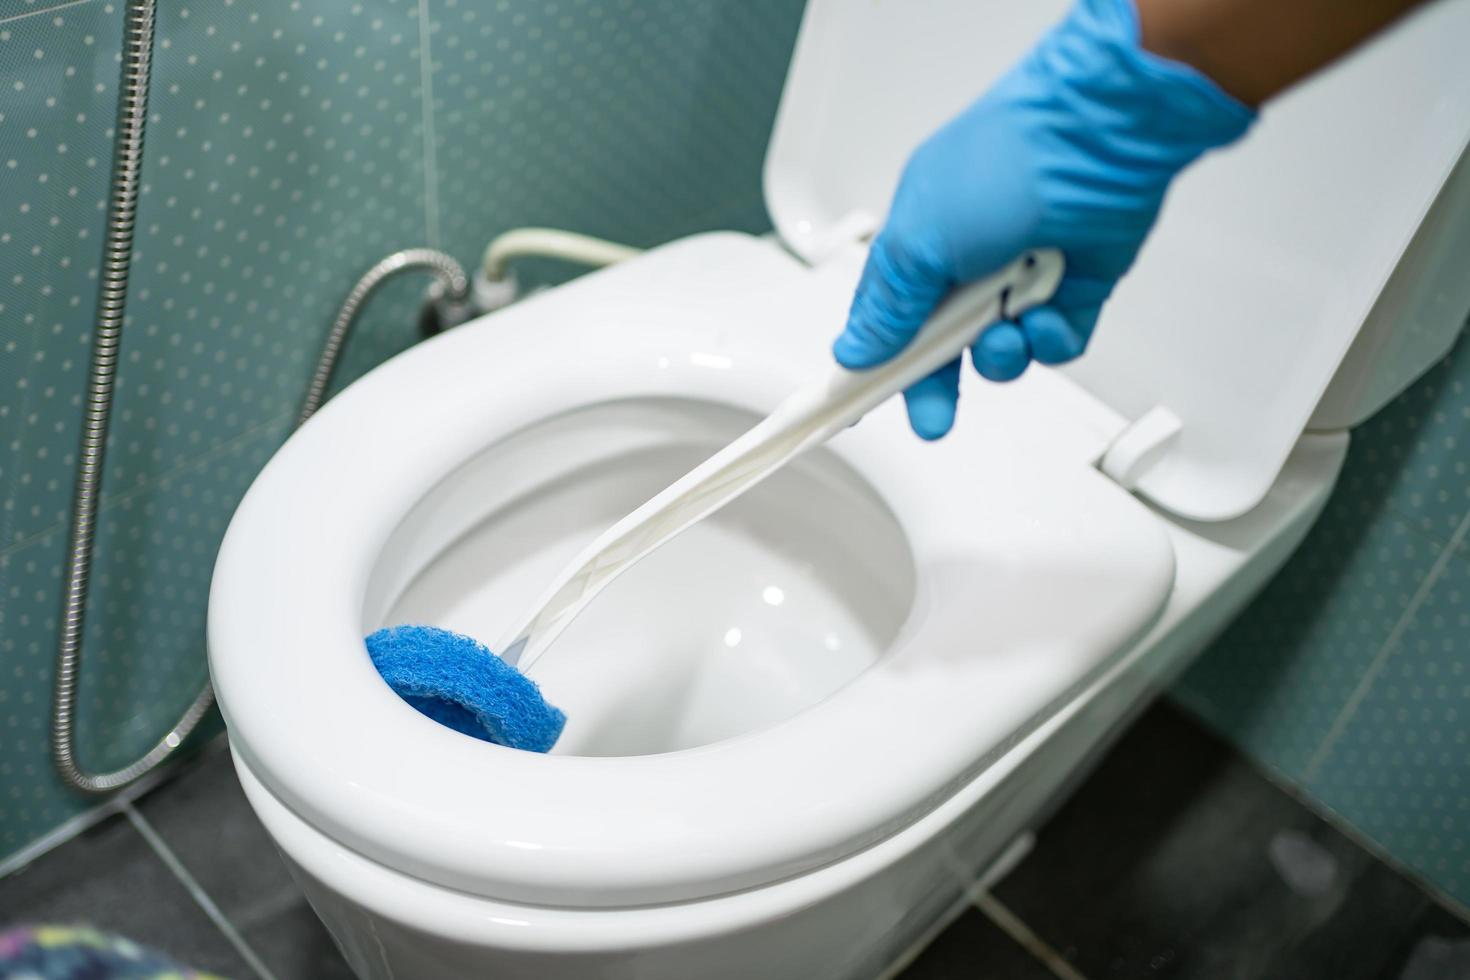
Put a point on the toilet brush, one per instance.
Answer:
(460, 683)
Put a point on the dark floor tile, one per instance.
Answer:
(203, 816)
(296, 946)
(109, 878)
(1437, 948)
(1177, 859)
(975, 947)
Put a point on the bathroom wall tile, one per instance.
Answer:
(155, 554)
(143, 659)
(109, 878)
(1277, 678)
(637, 121)
(749, 216)
(283, 157)
(10, 374)
(1176, 858)
(1414, 455)
(206, 821)
(18, 9)
(1400, 770)
(390, 325)
(58, 79)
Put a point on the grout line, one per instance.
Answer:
(134, 489)
(1360, 838)
(57, 836)
(915, 949)
(1003, 864)
(201, 898)
(89, 818)
(1415, 523)
(1300, 795)
(80, 823)
(431, 165)
(1012, 926)
(44, 10)
(1385, 652)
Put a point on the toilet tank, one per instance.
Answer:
(1305, 274)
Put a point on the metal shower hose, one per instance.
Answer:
(117, 251)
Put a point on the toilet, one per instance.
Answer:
(802, 730)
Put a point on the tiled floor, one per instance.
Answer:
(1178, 859)
(189, 871)
(1175, 859)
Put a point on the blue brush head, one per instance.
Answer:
(459, 682)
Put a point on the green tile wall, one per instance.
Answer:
(290, 145)
(293, 143)
(1350, 675)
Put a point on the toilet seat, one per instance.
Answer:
(1033, 569)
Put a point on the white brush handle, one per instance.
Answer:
(807, 418)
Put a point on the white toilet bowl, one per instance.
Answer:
(769, 718)
(800, 730)
(777, 688)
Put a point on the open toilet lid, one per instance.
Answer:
(1266, 260)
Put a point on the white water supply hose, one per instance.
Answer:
(494, 286)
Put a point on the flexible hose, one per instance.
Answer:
(112, 291)
(443, 267)
(551, 243)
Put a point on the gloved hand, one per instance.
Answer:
(1072, 149)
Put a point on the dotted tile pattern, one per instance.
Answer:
(1414, 455)
(1350, 674)
(1401, 767)
(145, 629)
(272, 171)
(290, 147)
(615, 118)
(1279, 676)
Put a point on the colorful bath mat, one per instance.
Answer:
(80, 953)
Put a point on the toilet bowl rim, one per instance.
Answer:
(291, 773)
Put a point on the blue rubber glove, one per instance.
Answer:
(1072, 149)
